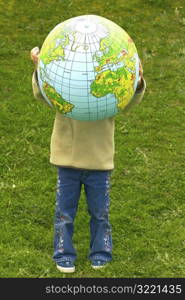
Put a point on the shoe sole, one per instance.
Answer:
(66, 270)
(98, 267)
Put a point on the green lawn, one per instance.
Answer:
(148, 183)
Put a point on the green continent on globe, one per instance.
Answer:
(121, 81)
(62, 105)
(51, 50)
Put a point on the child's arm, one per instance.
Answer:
(139, 93)
(36, 90)
(34, 54)
(140, 90)
(141, 85)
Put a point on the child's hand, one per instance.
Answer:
(34, 53)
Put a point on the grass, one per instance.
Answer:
(148, 183)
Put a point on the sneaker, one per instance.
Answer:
(66, 267)
(98, 264)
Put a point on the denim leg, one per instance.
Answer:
(67, 196)
(97, 184)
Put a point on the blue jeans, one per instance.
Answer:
(96, 185)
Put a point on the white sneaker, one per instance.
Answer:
(66, 267)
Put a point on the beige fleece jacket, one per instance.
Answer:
(83, 144)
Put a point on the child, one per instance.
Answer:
(83, 151)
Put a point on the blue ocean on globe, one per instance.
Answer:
(88, 68)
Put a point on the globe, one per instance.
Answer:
(88, 68)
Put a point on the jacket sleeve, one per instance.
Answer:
(35, 86)
(36, 90)
(138, 96)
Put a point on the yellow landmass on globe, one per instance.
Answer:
(57, 100)
(121, 81)
(51, 50)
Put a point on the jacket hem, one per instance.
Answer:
(73, 167)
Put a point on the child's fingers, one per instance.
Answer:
(34, 53)
(35, 50)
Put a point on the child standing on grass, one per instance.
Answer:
(83, 152)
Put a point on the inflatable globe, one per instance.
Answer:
(88, 68)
